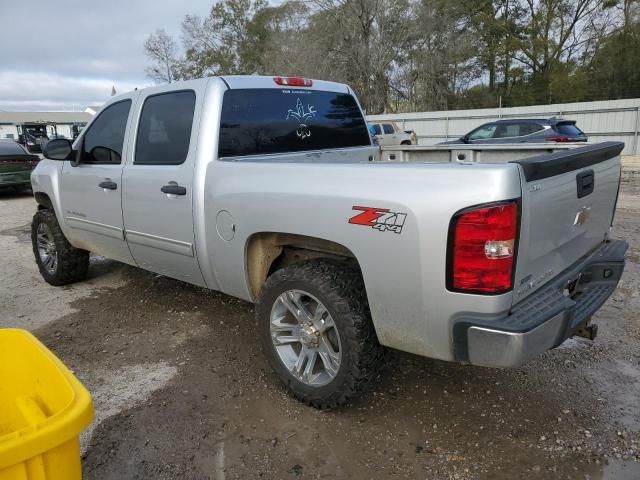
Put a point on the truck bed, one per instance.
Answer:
(471, 153)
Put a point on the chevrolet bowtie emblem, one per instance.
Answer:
(582, 216)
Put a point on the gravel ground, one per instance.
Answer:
(182, 391)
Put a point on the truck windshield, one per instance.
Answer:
(269, 121)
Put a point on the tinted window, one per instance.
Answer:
(387, 128)
(376, 129)
(165, 129)
(267, 121)
(569, 129)
(485, 131)
(507, 130)
(529, 128)
(103, 141)
(11, 148)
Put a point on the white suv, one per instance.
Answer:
(388, 134)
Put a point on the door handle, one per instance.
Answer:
(109, 185)
(174, 189)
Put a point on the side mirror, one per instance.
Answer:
(57, 149)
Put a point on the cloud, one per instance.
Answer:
(42, 91)
(66, 55)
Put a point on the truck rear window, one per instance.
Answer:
(268, 121)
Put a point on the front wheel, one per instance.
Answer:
(58, 261)
(316, 331)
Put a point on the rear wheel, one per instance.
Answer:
(58, 261)
(316, 332)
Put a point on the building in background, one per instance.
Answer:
(32, 129)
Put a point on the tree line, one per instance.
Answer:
(418, 55)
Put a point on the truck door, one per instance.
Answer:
(389, 137)
(91, 192)
(158, 182)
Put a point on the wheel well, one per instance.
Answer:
(405, 142)
(268, 252)
(43, 201)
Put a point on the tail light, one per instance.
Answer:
(558, 139)
(482, 249)
(293, 81)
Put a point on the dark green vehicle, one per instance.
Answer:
(16, 164)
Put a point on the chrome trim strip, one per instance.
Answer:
(496, 348)
(288, 157)
(161, 243)
(95, 227)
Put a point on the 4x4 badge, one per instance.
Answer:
(381, 219)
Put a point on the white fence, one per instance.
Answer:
(601, 121)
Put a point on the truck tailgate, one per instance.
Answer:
(568, 201)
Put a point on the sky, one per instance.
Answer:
(66, 55)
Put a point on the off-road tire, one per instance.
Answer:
(73, 263)
(341, 289)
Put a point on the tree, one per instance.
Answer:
(553, 32)
(161, 48)
(219, 43)
(364, 40)
(411, 55)
(614, 71)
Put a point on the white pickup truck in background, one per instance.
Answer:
(268, 189)
(389, 134)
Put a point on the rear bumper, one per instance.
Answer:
(544, 319)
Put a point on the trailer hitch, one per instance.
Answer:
(588, 330)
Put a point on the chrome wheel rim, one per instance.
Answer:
(47, 248)
(305, 338)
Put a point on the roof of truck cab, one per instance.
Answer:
(268, 81)
(239, 82)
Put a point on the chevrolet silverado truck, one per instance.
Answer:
(269, 189)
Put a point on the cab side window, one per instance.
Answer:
(164, 132)
(507, 130)
(529, 128)
(376, 129)
(483, 132)
(387, 128)
(102, 144)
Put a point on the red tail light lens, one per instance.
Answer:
(558, 139)
(482, 249)
(293, 81)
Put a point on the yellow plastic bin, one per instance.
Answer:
(43, 408)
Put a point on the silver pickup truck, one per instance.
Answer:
(268, 189)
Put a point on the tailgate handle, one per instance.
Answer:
(585, 181)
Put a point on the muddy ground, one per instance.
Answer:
(182, 391)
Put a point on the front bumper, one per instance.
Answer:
(546, 318)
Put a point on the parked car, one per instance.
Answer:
(388, 133)
(524, 131)
(16, 164)
(263, 188)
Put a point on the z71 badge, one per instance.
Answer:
(379, 218)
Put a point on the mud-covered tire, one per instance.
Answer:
(72, 263)
(340, 288)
